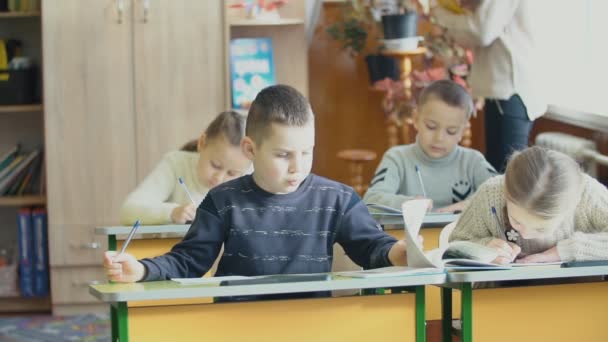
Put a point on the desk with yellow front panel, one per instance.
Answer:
(168, 311)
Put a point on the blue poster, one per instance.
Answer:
(251, 69)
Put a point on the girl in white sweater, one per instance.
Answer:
(544, 209)
(160, 199)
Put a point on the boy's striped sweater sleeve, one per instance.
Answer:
(362, 238)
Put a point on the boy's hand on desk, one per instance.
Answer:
(507, 251)
(430, 201)
(123, 268)
(183, 213)
(550, 255)
(397, 253)
(460, 206)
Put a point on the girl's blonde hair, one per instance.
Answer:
(545, 182)
(229, 124)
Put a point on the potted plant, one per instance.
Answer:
(358, 24)
(399, 18)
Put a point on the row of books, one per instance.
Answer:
(21, 173)
(33, 252)
(20, 5)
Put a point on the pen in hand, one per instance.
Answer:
(181, 181)
(420, 180)
(130, 237)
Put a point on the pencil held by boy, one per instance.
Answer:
(279, 220)
(435, 166)
(544, 209)
(162, 199)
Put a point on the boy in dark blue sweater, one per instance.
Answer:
(281, 219)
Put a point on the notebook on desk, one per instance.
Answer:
(277, 279)
(256, 280)
(379, 211)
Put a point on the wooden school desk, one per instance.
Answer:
(431, 228)
(570, 311)
(354, 318)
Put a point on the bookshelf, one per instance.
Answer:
(258, 22)
(22, 124)
(18, 304)
(7, 15)
(288, 35)
(21, 108)
(21, 201)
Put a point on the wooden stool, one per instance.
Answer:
(355, 160)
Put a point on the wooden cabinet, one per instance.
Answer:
(126, 82)
(178, 71)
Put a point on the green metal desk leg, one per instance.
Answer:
(111, 242)
(467, 312)
(114, 322)
(446, 314)
(420, 314)
(113, 309)
(120, 323)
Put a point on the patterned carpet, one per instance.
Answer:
(88, 328)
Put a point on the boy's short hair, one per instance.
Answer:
(449, 92)
(280, 104)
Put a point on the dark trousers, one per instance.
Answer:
(507, 129)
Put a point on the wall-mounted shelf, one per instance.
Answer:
(21, 108)
(17, 201)
(20, 304)
(19, 14)
(266, 22)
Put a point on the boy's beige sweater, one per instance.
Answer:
(583, 236)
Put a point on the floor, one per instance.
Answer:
(47, 328)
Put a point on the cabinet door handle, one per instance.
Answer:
(85, 283)
(120, 9)
(87, 245)
(146, 10)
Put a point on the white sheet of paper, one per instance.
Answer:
(413, 213)
(206, 280)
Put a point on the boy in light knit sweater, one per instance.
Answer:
(544, 209)
(281, 219)
(434, 166)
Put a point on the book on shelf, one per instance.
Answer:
(33, 262)
(23, 175)
(26, 253)
(251, 69)
(456, 255)
(8, 156)
(40, 252)
(23, 5)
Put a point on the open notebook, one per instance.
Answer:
(457, 255)
(379, 211)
